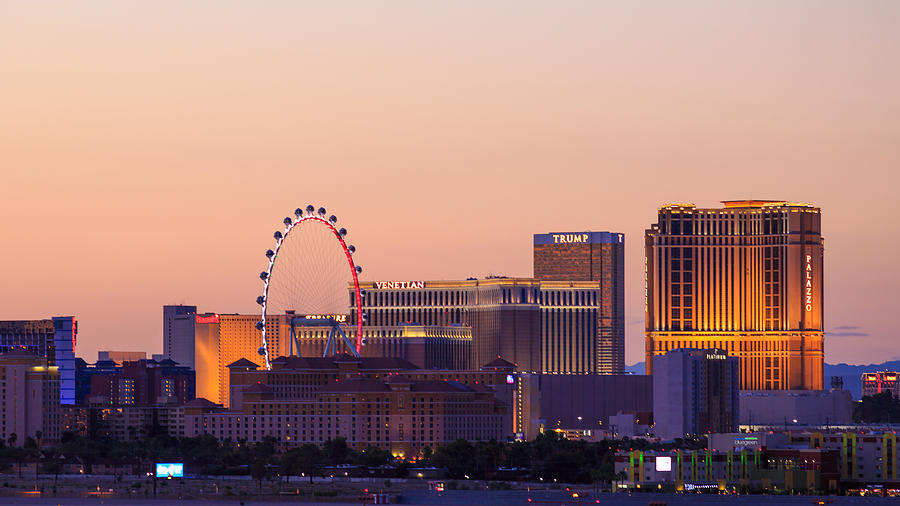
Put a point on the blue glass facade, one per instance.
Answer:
(64, 338)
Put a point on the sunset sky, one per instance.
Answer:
(148, 150)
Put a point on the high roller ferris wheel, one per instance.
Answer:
(306, 282)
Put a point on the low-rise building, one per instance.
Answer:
(576, 403)
(141, 382)
(394, 412)
(780, 408)
(789, 469)
(791, 460)
(123, 422)
(883, 381)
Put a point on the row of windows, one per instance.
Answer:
(520, 295)
(724, 224)
(414, 298)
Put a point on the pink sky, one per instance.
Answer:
(149, 150)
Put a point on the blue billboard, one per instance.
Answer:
(170, 470)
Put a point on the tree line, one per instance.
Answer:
(549, 457)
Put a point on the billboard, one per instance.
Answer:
(169, 470)
(663, 464)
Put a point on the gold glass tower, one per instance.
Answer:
(746, 278)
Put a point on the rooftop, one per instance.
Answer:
(762, 203)
(258, 388)
(383, 363)
(499, 363)
(740, 204)
(200, 402)
(243, 363)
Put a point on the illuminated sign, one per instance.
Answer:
(700, 486)
(509, 379)
(169, 470)
(340, 318)
(746, 441)
(398, 285)
(716, 356)
(646, 285)
(569, 238)
(208, 319)
(809, 282)
(663, 463)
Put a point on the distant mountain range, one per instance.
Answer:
(850, 373)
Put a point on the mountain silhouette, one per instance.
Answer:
(851, 373)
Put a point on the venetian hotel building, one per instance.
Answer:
(541, 326)
(746, 278)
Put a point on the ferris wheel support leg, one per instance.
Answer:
(350, 345)
(329, 344)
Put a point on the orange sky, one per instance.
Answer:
(149, 150)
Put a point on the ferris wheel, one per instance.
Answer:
(306, 283)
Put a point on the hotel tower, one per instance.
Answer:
(746, 278)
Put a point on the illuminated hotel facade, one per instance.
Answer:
(541, 326)
(746, 278)
(207, 343)
(591, 256)
(425, 346)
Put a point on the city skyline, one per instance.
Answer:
(150, 165)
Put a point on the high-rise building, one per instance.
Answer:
(746, 278)
(31, 394)
(541, 326)
(695, 392)
(178, 334)
(878, 382)
(53, 339)
(220, 340)
(208, 342)
(591, 256)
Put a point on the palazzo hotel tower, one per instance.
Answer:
(746, 278)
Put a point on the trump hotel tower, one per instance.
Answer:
(746, 278)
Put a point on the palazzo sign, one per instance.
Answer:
(809, 282)
(398, 285)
